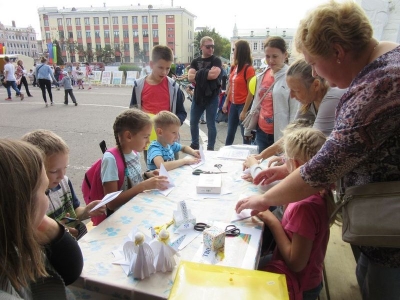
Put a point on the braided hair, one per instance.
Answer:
(133, 120)
(302, 144)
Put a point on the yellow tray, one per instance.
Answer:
(200, 281)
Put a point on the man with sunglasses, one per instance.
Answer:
(205, 71)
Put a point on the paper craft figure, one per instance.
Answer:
(164, 254)
(183, 215)
(140, 255)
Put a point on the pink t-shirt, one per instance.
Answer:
(308, 218)
(266, 118)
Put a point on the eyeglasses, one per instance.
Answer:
(209, 46)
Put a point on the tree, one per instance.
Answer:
(87, 53)
(221, 43)
(60, 60)
(106, 54)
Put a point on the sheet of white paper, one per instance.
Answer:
(232, 153)
(107, 198)
(171, 185)
(202, 158)
(185, 236)
(244, 214)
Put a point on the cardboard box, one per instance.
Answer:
(214, 238)
(209, 184)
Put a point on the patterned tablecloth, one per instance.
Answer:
(101, 279)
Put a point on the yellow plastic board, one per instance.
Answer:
(197, 281)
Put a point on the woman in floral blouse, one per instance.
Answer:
(364, 146)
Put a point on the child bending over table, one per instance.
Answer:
(303, 234)
(162, 151)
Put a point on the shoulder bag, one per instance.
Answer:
(371, 214)
(251, 119)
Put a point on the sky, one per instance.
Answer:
(218, 14)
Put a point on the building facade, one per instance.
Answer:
(256, 39)
(18, 40)
(128, 33)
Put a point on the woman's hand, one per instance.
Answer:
(225, 106)
(255, 202)
(270, 175)
(242, 115)
(157, 183)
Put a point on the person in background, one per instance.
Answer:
(179, 69)
(38, 256)
(238, 91)
(89, 74)
(364, 145)
(205, 72)
(44, 75)
(67, 83)
(57, 73)
(277, 108)
(10, 80)
(34, 75)
(20, 77)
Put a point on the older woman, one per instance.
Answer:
(336, 40)
(20, 75)
(38, 257)
(45, 76)
(238, 91)
(277, 108)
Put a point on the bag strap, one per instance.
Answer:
(265, 94)
(120, 165)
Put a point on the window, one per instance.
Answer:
(97, 33)
(170, 16)
(71, 48)
(77, 21)
(124, 20)
(88, 33)
(70, 35)
(127, 58)
(81, 58)
(89, 46)
(61, 34)
(72, 58)
(117, 58)
(116, 47)
(154, 19)
(46, 22)
(145, 33)
(106, 34)
(68, 21)
(170, 35)
(115, 20)
(126, 47)
(135, 33)
(116, 33)
(134, 20)
(144, 19)
(99, 59)
(105, 20)
(126, 33)
(146, 46)
(59, 22)
(98, 46)
(155, 32)
(255, 45)
(79, 34)
(63, 47)
(96, 21)
(64, 58)
(87, 21)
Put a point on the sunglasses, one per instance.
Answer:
(209, 46)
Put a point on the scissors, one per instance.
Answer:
(198, 172)
(230, 230)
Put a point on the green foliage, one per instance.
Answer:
(173, 68)
(126, 68)
(60, 61)
(221, 43)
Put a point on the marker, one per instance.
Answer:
(242, 219)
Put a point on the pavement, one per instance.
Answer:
(84, 126)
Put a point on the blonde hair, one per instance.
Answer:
(204, 39)
(302, 70)
(302, 144)
(21, 256)
(165, 118)
(343, 23)
(47, 141)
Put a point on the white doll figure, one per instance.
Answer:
(140, 255)
(163, 252)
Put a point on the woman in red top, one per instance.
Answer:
(238, 91)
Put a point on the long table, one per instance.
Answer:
(101, 279)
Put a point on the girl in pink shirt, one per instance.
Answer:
(303, 234)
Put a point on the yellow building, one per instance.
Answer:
(130, 31)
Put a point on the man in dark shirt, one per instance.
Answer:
(209, 100)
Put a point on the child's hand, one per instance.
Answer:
(247, 177)
(191, 160)
(251, 160)
(157, 183)
(275, 161)
(98, 212)
(196, 153)
(267, 217)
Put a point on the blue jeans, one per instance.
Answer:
(263, 140)
(233, 123)
(196, 111)
(377, 281)
(12, 84)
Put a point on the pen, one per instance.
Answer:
(237, 220)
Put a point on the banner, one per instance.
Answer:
(106, 77)
(117, 77)
(97, 76)
(130, 77)
(1, 49)
(50, 50)
(54, 54)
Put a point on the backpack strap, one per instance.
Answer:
(120, 165)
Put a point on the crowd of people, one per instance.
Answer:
(332, 115)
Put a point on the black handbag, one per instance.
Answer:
(221, 117)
